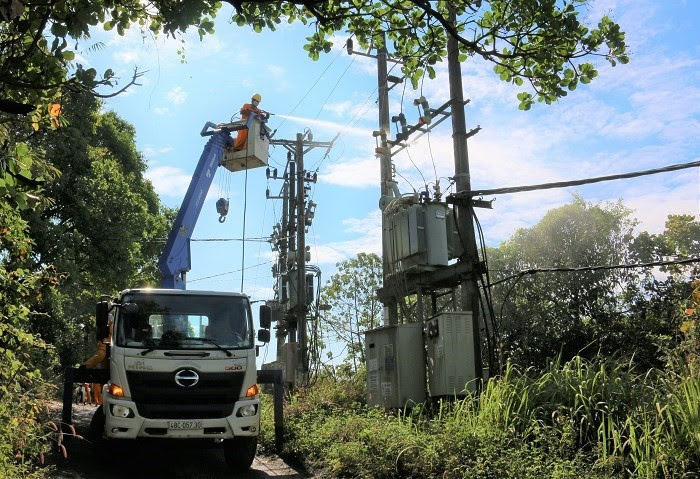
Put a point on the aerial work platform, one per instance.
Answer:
(254, 154)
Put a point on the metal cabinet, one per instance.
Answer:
(395, 366)
(450, 346)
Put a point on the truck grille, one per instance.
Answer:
(158, 397)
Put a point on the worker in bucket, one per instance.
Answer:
(246, 110)
(100, 360)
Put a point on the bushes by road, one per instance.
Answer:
(581, 418)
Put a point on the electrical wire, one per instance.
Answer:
(334, 87)
(430, 148)
(432, 159)
(417, 169)
(564, 184)
(228, 272)
(650, 264)
(262, 239)
(492, 336)
(310, 89)
(262, 229)
(406, 180)
(354, 120)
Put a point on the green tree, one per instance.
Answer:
(352, 295)
(659, 314)
(680, 239)
(39, 40)
(541, 42)
(568, 313)
(103, 228)
(22, 353)
(628, 312)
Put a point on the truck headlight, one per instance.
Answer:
(247, 410)
(121, 411)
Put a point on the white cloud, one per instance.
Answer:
(329, 127)
(356, 173)
(259, 292)
(80, 59)
(169, 181)
(369, 240)
(161, 110)
(176, 95)
(150, 151)
(355, 109)
(128, 56)
(276, 71)
(279, 76)
(657, 197)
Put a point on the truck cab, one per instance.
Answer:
(182, 366)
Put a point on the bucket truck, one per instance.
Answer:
(182, 363)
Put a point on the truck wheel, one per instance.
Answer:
(240, 452)
(97, 427)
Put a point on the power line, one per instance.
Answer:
(564, 184)
(228, 272)
(261, 239)
(334, 87)
(594, 268)
(310, 89)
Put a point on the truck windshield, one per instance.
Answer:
(185, 322)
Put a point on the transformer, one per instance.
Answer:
(417, 236)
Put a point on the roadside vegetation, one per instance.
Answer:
(595, 373)
(74, 204)
(594, 418)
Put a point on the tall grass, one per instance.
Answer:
(576, 419)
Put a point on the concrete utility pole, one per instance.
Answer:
(282, 259)
(291, 228)
(469, 300)
(384, 154)
(301, 308)
(293, 245)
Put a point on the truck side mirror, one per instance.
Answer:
(265, 317)
(130, 308)
(264, 335)
(101, 315)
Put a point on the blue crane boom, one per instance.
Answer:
(175, 260)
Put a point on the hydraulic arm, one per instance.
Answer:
(175, 261)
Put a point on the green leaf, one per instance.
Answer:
(21, 151)
(59, 30)
(68, 55)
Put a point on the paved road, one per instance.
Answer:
(154, 461)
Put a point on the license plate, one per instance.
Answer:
(185, 425)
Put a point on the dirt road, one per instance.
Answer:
(154, 460)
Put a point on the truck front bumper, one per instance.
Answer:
(137, 426)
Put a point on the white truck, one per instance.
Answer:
(182, 362)
(182, 366)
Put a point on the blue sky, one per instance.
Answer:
(633, 117)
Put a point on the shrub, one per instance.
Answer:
(583, 418)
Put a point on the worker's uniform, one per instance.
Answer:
(242, 137)
(99, 361)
